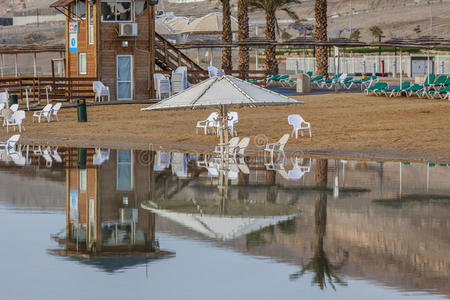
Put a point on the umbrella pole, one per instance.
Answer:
(224, 147)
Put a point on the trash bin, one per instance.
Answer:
(81, 158)
(81, 110)
(12, 99)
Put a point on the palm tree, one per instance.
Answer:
(271, 7)
(320, 10)
(243, 34)
(227, 35)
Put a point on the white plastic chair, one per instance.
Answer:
(177, 83)
(10, 144)
(14, 107)
(277, 147)
(2, 106)
(4, 99)
(233, 118)
(299, 124)
(16, 120)
(55, 110)
(212, 71)
(207, 124)
(46, 112)
(100, 91)
(162, 87)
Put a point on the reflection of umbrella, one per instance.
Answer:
(220, 227)
(222, 92)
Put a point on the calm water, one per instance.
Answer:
(107, 224)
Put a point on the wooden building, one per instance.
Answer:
(115, 41)
(111, 40)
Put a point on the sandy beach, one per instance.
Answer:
(344, 125)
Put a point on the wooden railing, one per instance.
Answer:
(170, 55)
(56, 88)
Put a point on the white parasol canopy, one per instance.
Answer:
(223, 90)
(220, 227)
(208, 24)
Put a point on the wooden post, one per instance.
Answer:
(34, 64)
(15, 64)
(1, 64)
(151, 44)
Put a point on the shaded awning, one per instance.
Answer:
(61, 3)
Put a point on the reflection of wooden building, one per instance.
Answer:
(103, 214)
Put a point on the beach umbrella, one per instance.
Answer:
(222, 92)
(208, 24)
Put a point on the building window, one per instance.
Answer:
(82, 63)
(124, 170)
(78, 9)
(91, 24)
(82, 180)
(116, 11)
(139, 7)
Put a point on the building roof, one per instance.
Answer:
(61, 3)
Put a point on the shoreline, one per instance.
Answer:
(251, 151)
(344, 125)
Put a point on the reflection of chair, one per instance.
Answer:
(10, 144)
(47, 157)
(100, 157)
(278, 148)
(56, 155)
(232, 145)
(241, 147)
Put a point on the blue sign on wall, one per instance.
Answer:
(73, 42)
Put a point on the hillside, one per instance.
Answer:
(397, 18)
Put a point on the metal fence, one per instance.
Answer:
(373, 64)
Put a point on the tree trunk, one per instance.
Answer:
(321, 173)
(227, 36)
(271, 59)
(320, 10)
(243, 33)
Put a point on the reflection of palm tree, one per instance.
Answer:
(319, 264)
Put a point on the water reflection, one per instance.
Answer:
(324, 271)
(332, 221)
(104, 220)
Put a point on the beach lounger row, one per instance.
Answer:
(433, 88)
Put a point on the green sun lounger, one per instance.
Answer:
(376, 88)
(415, 88)
(439, 82)
(442, 93)
(390, 92)
(429, 81)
